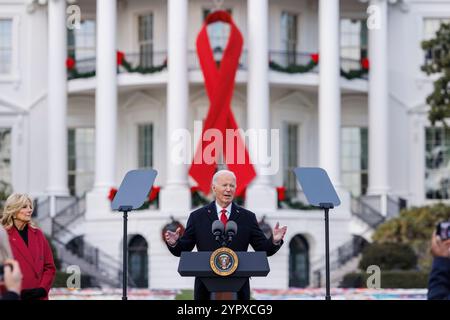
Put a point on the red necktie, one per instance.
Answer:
(223, 217)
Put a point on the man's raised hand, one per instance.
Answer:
(278, 233)
(172, 237)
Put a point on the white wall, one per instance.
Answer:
(408, 89)
(141, 107)
(25, 90)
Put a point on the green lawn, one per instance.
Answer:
(186, 294)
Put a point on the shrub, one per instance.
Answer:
(414, 227)
(61, 280)
(388, 256)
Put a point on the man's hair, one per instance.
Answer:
(222, 172)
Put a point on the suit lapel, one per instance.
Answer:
(212, 211)
(19, 244)
(235, 210)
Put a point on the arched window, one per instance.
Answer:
(298, 262)
(138, 261)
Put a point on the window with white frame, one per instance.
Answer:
(289, 36)
(6, 45)
(290, 158)
(353, 45)
(437, 163)
(81, 44)
(218, 34)
(354, 159)
(145, 25)
(145, 145)
(5, 157)
(430, 27)
(81, 157)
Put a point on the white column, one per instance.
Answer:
(378, 102)
(57, 99)
(106, 97)
(175, 195)
(329, 90)
(261, 195)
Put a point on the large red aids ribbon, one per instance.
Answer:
(219, 83)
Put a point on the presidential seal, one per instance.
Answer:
(224, 261)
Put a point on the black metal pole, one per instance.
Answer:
(327, 256)
(125, 256)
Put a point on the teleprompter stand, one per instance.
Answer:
(319, 192)
(132, 193)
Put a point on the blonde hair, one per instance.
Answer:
(13, 205)
(5, 249)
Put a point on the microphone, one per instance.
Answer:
(217, 229)
(231, 230)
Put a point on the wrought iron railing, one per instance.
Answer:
(194, 63)
(286, 59)
(141, 62)
(366, 212)
(145, 59)
(369, 208)
(41, 208)
(96, 263)
(282, 59)
(394, 206)
(338, 258)
(71, 212)
(92, 261)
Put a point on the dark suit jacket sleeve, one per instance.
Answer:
(9, 295)
(48, 274)
(258, 240)
(187, 241)
(439, 280)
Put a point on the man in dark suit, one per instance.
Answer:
(198, 230)
(439, 279)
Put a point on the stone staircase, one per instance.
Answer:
(343, 259)
(366, 211)
(66, 233)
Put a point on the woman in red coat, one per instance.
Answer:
(29, 247)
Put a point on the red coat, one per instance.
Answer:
(36, 260)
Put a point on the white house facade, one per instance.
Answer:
(73, 121)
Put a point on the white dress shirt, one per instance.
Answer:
(219, 210)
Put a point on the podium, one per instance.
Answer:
(197, 264)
